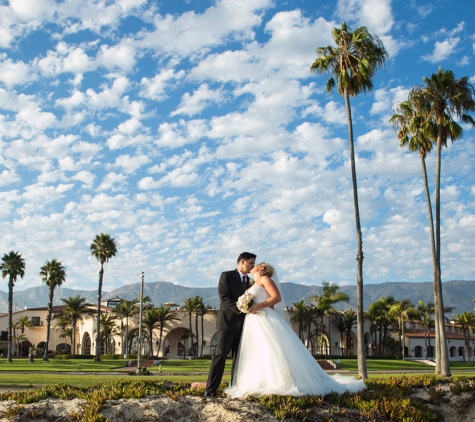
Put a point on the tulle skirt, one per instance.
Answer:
(273, 360)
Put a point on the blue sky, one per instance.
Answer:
(193, 130)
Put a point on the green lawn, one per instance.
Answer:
(55, 371)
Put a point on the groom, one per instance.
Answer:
(232, 284)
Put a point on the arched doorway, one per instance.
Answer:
(317, 344)
(63, 347)
(418, 351)
(172, 339)
(462, 352)
(41, 346)
(133, 345)
(453, 352)
(86, 344)
(430, 352)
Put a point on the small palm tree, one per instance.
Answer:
(165, 315)
(109, 330)
(354, 62)
(189, 307)
(53, 274)
(103, 248)
(302, 316)
(466, 323)
(402, 311)
(75, 309)
(63, 324)
(13, 266)
(329, 297)
(21, 323)
(125, 309)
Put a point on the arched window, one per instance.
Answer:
(133, 345)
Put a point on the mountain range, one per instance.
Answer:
(456, 293)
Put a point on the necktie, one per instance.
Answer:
(244, 281)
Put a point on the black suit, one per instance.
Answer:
(229, 325)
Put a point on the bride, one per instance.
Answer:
(271, 358)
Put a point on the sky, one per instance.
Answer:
(193, 130)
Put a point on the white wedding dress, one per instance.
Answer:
(273, 360)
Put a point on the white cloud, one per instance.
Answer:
(442, 50)
(86, 177)
(7, 177)
(14, 73)
(130, 164)
(155, 88)
(374, 14)
(119, 56)
(113, 181)
(196, 102)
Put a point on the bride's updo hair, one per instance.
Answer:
(266, 269)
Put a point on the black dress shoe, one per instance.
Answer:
(210, 395)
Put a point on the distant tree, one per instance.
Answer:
(63, 324)
(165, 315)
(76, 308)
(329, 297)
(402, 312)
(52, 274)
(466, 324)
(302, 316)
(13, 266)
(189, 307)
(354, 62)
(109, 330)
(125, 309)
(103, 248)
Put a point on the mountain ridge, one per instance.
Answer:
(457, 293)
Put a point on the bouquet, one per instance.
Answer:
(245, 301)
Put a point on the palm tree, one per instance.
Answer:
(425, 311)
(150, 321)
(165, 315)
(466, 322)
(441, 98)
(63, 324)
(198, 303)
(13, 266)
(402, 311)
(76, 307)
(189, 307)
(354, 63)
(202, 310)
(125, 309)
(329, 297)
(21, 323)
(103, 248)
(52, 274)
(109, 330)
(302, 316)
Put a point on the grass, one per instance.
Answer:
(19, 374)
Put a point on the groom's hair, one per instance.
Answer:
(246, 256)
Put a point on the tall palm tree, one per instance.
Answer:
(165, 315)
(125, 309)
(466, 323)
(13, 266)
(329, 297)
(402, 311)
(75, 309)
(354, 62)
(202, 310)
(441, 98)
(52, 274)
(103, 248)
(198, 303)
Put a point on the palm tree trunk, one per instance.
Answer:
(48, 321)
(362, 372)
(443, 366)
(202, 333)
(73, 331)
(10, 318)
(160, 340)
(195, 353)
(98, 317)
(403, 342)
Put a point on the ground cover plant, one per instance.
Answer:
(390, 399)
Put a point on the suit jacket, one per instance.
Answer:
(230, 287)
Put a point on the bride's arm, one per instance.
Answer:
(273, 291)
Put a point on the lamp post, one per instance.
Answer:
(139, 354)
